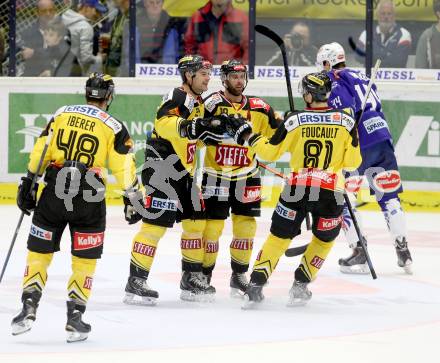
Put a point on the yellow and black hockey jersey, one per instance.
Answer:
(322, 142)
(177, 106)
(227, 159)
(87, 134)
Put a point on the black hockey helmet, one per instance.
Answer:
(192, 63)
(231, 66)
(99, 87)
(318, 85)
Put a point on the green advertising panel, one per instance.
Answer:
(414, 126)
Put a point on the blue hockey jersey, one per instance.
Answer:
(348, 90)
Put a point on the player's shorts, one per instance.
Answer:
(86, 222)
(241, 197)
(326, 214)
(379, 166)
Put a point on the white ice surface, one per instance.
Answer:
(395, 318)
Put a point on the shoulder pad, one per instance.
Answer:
(258, 103)
(59, 111)
(347, 121)
(212, 101)
(291, 123)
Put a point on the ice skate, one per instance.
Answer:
(356, 263)
(77, 330)
(404, 258)
(194, 287)
(137, 292)
(238, 284)
(299, 294)
(253, 296)
(22, 322)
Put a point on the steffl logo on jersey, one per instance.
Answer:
(410, 144)
(230, 155)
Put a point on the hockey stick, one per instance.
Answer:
(359, 234)
(280, 42)
(20, 220)
(369, 86)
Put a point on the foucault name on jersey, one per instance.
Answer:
(318, 131)
(231, 155)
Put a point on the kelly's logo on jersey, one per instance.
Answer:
(251, 194)
(231, 155)
(40, 233)
(327, 224)
(85, 241)
(258, 103)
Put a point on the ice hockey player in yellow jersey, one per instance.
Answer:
(231, 178)
(322, 142)
(171, 193)
(86, 138)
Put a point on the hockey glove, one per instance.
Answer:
(209, 130)
(131, 199)
(27, 198)
(238, 128)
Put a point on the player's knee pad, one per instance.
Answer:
(191, 243)
(313, 259)
(143, 249)
(268, 257)
(80, 283)
(211, 236)
(244, 226)
(35, 274)
(244, 229)
(395, 217)
(213, 229)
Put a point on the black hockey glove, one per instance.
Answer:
(27, 198)
(210, 130)
(238, 128)
(131, 199)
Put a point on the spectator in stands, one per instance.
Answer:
(159, 40)
(428, 46)
(58, 57)
(81, 36)
(218, 32)
(33, 41)
(116, 62)
(299, 50)
(391, 42)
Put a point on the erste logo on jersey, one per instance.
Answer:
(252, 194)
(190, 152)
(87, 240)
(40, 233)
(231, 155)
(160, 203)
(255, 102)
(213, 191)
(387, 181)
(327, 224)
(285, 212)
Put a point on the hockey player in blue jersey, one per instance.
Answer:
(379, 165)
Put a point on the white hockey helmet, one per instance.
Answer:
(333, 53)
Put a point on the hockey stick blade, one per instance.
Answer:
(295, 251)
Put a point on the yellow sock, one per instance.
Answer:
(191, 244)
(211, 236)
(312, 260)
(80, 283)
(244, 229)
(268, 257)
(143, 249)
(35, 274)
